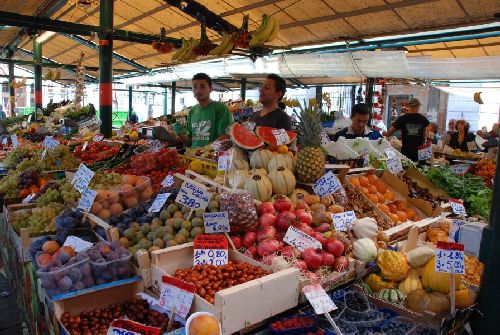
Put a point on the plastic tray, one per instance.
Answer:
(111, 271)
(387, 330)
(63, 280)
(295, 331)
(362, 296)
(424, 330)
(376, 318)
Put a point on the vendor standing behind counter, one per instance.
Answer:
(360, 115)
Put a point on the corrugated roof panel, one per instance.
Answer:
(469, 52)
(428, 13)
(470, 43)
(376, 23)
(299, 12)
(481, 8)
(332, 30)
(493, 50)
(349, 6)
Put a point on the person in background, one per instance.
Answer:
(273, 112)
(412, 126)
(134, 118)
(360, 115)
(208, 120)
(494, 133)
(452, 127)
(462, 136)
(431, 133)
(3, 116)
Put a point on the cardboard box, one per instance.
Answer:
(239, 306)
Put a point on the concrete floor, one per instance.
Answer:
(10, 318)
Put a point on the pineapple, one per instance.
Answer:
(311, 157)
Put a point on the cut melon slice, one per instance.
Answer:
(243, 138)
(266, 135)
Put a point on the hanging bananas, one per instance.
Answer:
(225, 46)
(267, 31)
(185, 53)
(18, 84)
(53, 75)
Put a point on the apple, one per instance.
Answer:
(304, 216)
(319, 237)
(266, 232)
(301, 265)
(327, 259)
(287, 251)
(266, 207)
(285, 219)
(312, 258)
(334, 247)
(268, 247)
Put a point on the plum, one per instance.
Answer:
(115, 245)
(65, 283)
(107, 275)
(100, 281)
(113, 256)
(77, 286)
(75, 274)
(88, 281)
(48, 283)
(85, 269)
(81, 256)
(123, 271)
(56, 273)
(63, 257)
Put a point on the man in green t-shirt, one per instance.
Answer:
(209, 119)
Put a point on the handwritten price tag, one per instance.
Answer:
(325, 139)
(300, 240)
(157, 205)
(129, 327)
(192, 196)
(458, 207)
(327, 185)
(82, 178)
(98, 138)
(281, 136)
(250, 125)
(154, 145)
(318, 298)
(216, 222)
(342, 221)
(29, 198)
(15, 141)
(50, 143)
(460, 169)
(211, 249)
(425, 153)
(394, 165)
(176, 294)
(390, 153)
(168, 181)
(450, 257)
(224, 161)
(87, 199)
(77, 243)
(455, 229)
(120, 133)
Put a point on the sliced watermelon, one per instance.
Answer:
(266, 134)
(243, 138)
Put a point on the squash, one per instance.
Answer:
(392, 295)
(260, 158)
(411, 283)
(419, 256)
(281, 160)
(437, 281)
(464, 298)
(237, 178)
(393, 265)
(377, 284)
(238, 154)
(261, 171)
(364, 250)
(365, 227)
(283, 180)
(259, 186)
(420, 300)
(240, 164)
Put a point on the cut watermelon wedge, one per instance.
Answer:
(266, 134)
(243, 138)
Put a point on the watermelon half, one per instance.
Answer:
(266, 134)
(243, 138)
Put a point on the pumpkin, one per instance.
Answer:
(421, 300)
(259, 186)
(392, 295)
(393, 265)
(260, 171)
(240, 164)
(364, 250)
(365, 227)
(419, 256)
(260, 158)
(411, 283)
(437, 281)
(377, 284)
(464, 298)
(281, 160)
(237, 178)
(297, 193)
(283, 180)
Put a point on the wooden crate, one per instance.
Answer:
(239, 306)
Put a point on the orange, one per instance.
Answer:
(384, 208)
(410, 213)
(282, 149)
(365, 190)
(381, 198)
(393, 208)
(381, 186)
(402, 216)
(273, 147)
(401, 205)
(372, 189)
(393, 217)
(34, 189)
(417, 218)
(373, 198)
(372, 179)
(363, 181)
(354, 181)
(389, 196)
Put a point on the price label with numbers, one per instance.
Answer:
(50, 142)
(300, 240)
(216, 222)
(82, 178)
(157, 205)
(342, 221)
(29, 198)
(250, 125)
(460, 169)
(193, 196)
(450, 257)
(390, 153)
(15, 141)
(129, 327)
(120, 133)
(457, 206)
(98, 138)
(176, 294)
(327, 185)
(87, 199)
(211, 249)
(224, 161)
(455, 229)
(281, 136)
(77, 243)
(394, 165)
(168, 181)
(318, 298)
(325, 139)
(154, 145)
(425, 152)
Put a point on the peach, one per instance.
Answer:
(204, 325)
(104, 214)
(116, 209)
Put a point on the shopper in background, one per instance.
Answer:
(207, 120)
(431, 133)
(452, 127)
(463, 139)
(273, 112)
(360, 115)
(412, 126)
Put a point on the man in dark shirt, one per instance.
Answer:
(412, 126)
(360, 115)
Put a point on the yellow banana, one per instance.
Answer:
(49, 75)
(180, 50)
(56, 75)
(228, 49)
(274, 33)
(256, 38)
(189, 55)
(266, 33)
(185, 49)
(222, 46)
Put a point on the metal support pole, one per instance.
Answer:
(243, 89)
(370, 87)
(37, 58)
(165, 101)
(106, 67)
(12, 91)
(172, 111)
(319, 96)
(130, 103)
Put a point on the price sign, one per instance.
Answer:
(50, 143)
(15, 141)
(44, 154)
(390, 153)
(120, 133)
(281, 136)
(29, 198)
(224, 161)
(87, 199)
(85, 145)
(455, 229)
(4, 141)
(342, 221)
(168, 181)
(394, 165)
(157, 205)
(318, 298)
(129, 327)
(457, 206)
(425, 152)
(177, 294)
(325, 139)
(450, 257)
(327, 185)
(154, 145)
(250, 125)
(460, 169)
(77, 243)
(193, 196)
(82, 178)
(472, 146)
(216, 222)
(211, 249)
(98, 138)
(300, 240)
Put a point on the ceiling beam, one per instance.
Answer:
(458, 47)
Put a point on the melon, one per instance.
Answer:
(243, 138)
(266, 135)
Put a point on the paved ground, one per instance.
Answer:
(10, 319)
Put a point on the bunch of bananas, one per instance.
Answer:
(225, 46)
(290, 102)
(185, 53)
(267, 31)
(18, 84)
(52, 75)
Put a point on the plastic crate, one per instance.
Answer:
(294, 331)
(69, 278)
(208, 168)
(361, 297)
(408, 326)
(367, 319)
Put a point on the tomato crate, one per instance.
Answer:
(208, 167)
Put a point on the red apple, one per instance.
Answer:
(305, 228)
(287, 251)
(301, 265)
(249, 239)
(266, 207)
(334, 247)
(327, 259)
(312, 258)
(304, 216)
(341, 263)
(236, 241)
(267, 219)
(268, 247)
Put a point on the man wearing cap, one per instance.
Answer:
(412, 126)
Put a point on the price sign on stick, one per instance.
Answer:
(454, 229)
(157, 205)
(211, 249)
(327, 185)
(154, 145)
(394, 165)
(82, 178)
(325, 139)
(98, 137)
(460, 169)
(29, 198)
(281, 136)
(300, 240)
(87, 199)
(425, 152)
(457, 206)
(50, 143)
(168, 181)
(450, 257)
(192, 196)
(216, 222)
(129, 327)
(224, 161)
(318, 298)
(15, 141)
(390, 153)
(176, 295)
(342, 221)
(84, 147)
(77, 243)
(120, 133)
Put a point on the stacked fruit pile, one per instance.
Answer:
(96, 151)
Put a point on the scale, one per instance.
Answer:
(158, 133)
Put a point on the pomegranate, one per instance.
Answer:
(312, 258)
(301, 265)
(305, 228)
(267, 219)
(252, 251)
(341, 263)
(334, 247)
(266, 232)
(304, 216)
(287, 251)
(249, 239)
(266, 207)
(268, 246)
(236, 241)
(284, 220)
(327, 259)
(282, 205)
(318, 236)
(324, 227)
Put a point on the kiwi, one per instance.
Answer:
(154, 226)
(196, 231)
(178, 223)
(199, 213)
(160, 232)
(186, 225)
(184, 232)
(145, 229)
(157, 221)
(139, 236)
(124, 242)
(180, 239)
(178, 215)
(185, 209)
(167, 237)
(165, 215)
(169, 229)
(213, 206)
(151, 236)
(129, 234)
(158, 242)
(171, 209)
(170, 243)
(170, 222)
(154, 248)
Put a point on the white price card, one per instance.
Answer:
(123, 327)
(327, 185)
(458, 207)
(455, 229)
(210, 249)
(85, 145)
(98, 138)
(44, 154)
(157, 205)
(325, 139)
(300, 240)
(120, 133)
(425, 153)
(394, 165)
(154, 145)
(224, 161)
(390, 153)
(192, 196)
(50, 142)
(450, 257)
(281, 136)
(4, 141)
(472, 146)
(318, 298)
(15, 141)
(29, 198)
(177, 295)
(82, 178)
(77, 243)
(342, 221)
(460, 169)
(168, 181)
(87, 199)
(216, 222)
(250, 125)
